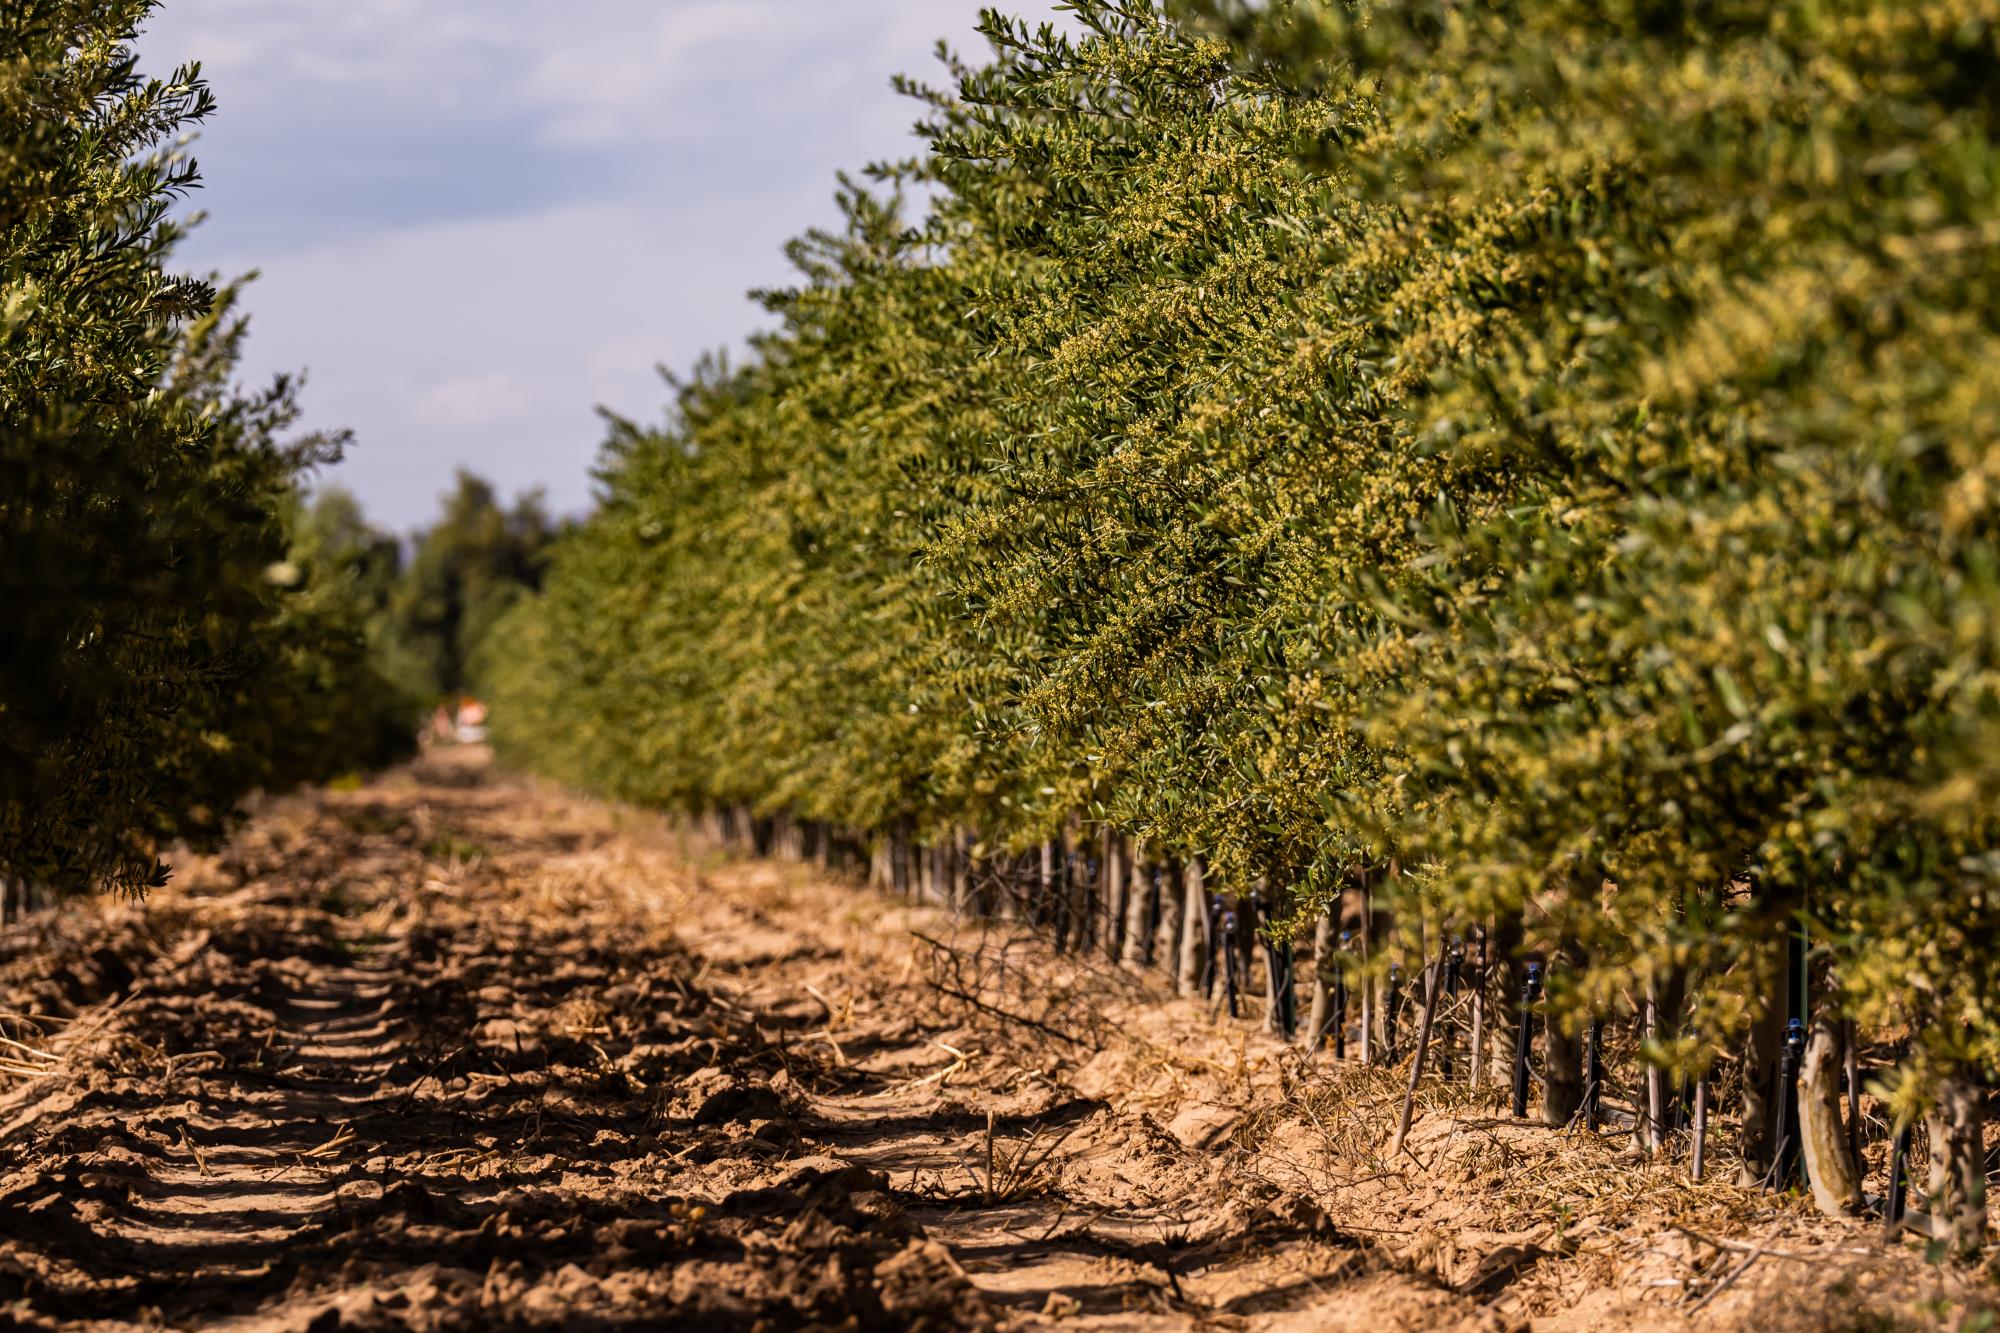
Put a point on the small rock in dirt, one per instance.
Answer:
(1059, 1306)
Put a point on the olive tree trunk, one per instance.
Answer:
(1140, 948)
(1562, 1075)
(1117, 894)
(1829, 1161)
(1766, 969)
(1170, 918)
(1325, 979)
(1958, 1167)
(1503, 982)
(1194, 950)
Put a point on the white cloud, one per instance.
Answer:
(477, 219)
(488, 343)
(484, 399)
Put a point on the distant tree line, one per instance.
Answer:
(179, 623)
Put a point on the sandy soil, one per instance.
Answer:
(456, 1051)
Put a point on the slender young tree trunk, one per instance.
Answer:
(1505, 976)
(1958, 1167)
(1649, 1131)
(1829, 1167)
(961, 872)
(1194, 950)
(1077, 880)
(1275, 985)
(1475, 1047)
(1562, 1075)
(1139, 944)
(1762, 1045)
(1767, 967)
(1047, 911)
(1274, 988)
(1173, 921)
(1381, 928)
(900, 864)
(1432, 976)
(1562, 1056)
(1367, 938)
(1117, 895)
(1324, 974)
(1666, 995)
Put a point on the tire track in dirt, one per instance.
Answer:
(455, 1051)
(363, 1072)
(450, 1052)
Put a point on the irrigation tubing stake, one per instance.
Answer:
(1211, 976)
(1700, 1163)
(1531, 990)
(1367, 1034)
(1454, 961)
(1899, 1166)
(1287, 991)
(1784, 1163)
(1475, 1039)
(1278, 961)
(1593, 1073)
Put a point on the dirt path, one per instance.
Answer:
(454, 1051)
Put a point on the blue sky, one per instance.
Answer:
(477, 219)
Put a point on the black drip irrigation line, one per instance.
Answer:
(1283, 962)
(1228, 947)
(1454, 961)
(1278, 957)
(1524, 1037)
(1785, 1162)
(1211, 975)
(1593, 1074)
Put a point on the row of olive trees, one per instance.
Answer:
(177, 632)
(1532, 459)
